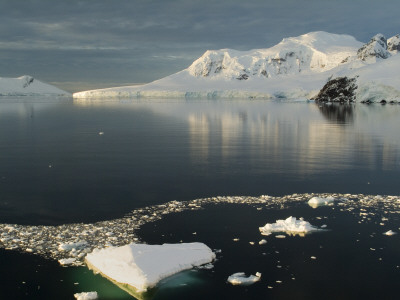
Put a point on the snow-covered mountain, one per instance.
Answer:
(297, 67)
(28, 86)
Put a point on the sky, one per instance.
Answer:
(86, 44)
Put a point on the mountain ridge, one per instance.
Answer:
(297, 67)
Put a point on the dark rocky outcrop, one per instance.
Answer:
(27, 80)
(340, 89)
(376, 47)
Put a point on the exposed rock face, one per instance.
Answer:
(340, 89)
(394, 43)
(27, 80)
(377, 47)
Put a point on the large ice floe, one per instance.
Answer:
(290, 226)
(297, 67)
(138, 267)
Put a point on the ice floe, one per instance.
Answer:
(240, 278)
(142, 266)
(390, 232)
(290, 226)
(314, 202)
(74, 241)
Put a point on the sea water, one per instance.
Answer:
(65, 162)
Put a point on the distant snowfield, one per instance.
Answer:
(28, 86)
(297, 67)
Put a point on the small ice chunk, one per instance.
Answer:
(314, 202)
(390, 232)
(66, 261)
(240, 278)
(101, 132)
(280, 236)
(141, 266)
(86, 296)
(291, 226)
(70, 246)
(262, 242)
(235, 239)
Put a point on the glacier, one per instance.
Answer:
(296, 68)
(28, 86)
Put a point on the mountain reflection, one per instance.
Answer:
(339, 113)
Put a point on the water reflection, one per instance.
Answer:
(340, 113)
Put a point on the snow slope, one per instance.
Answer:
(28, 86)
(297, 67)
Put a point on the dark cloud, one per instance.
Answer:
(107, 41)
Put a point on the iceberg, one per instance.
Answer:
(290, 226)
(139, 267)
(240, 278)
(314, 202)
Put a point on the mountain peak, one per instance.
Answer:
(376, 48)
(308, 53)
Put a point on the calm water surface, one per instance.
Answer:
(64, 161)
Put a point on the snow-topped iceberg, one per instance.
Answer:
(139, 267)
(28, 86)
(297, 67)
(290, 225)
(314, 202)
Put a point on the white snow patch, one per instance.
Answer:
(314, 202)
(290, 226)
(240, 278)
(86, 296)
(143, 266)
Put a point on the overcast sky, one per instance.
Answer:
(82, 44)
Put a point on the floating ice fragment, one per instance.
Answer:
(280, 236)
(235, 239)
(101, 133)
(86, 296)
(262, 242)
(390, 232)
(240, 278)
(313, 257)
(140, 266)
(67, 261)
(291, 226)
(71, 246)
(314, 202)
